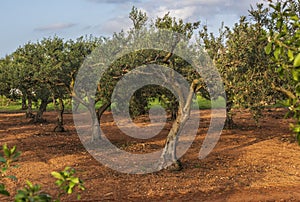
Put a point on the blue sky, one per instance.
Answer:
(31, 20)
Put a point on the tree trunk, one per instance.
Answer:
(168, 158)
(60, 121)
(95, 127)
(24, 105)
(102, 109)
(174, 111)
(29, 113)
(39, 115)
(96, 117)
(229, 124)
(75, 105)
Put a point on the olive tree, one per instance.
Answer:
(239, 55)
(283, 46)
(26, 65)
(109, 63)
(6, 80)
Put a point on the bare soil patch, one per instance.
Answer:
(249, 163)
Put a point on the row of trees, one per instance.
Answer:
(258, 60)
(247, 70)
(44, 72)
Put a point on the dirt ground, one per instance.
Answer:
(249, 163)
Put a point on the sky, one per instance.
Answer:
(32, 20)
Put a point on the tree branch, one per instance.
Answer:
(284, 91)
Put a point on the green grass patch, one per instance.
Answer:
(206, 104)
(9, 105)
(198, 103)
(67, 103)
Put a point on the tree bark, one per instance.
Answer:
(168, 158)
(90, 105)
(229, 124)
(75, 105)
(95, 129)
(24, 105)
(29, 113)
(96, 117)
(39, 115)
(102, 109)
(173, 114)
(174, 111)
(60, 121)
(288, 93)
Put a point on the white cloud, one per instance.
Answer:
(183, 13)
(115, 25)
(210, 12)
(55, 27)
(194, 8)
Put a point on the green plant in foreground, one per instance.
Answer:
(67, 182)
(9, 156)
(31, 193)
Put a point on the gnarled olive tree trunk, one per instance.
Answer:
(38, 118)
(96, 116)
(24, 104)
(29, 113)
(229, 124)
(60, 119)
(95, 125)
(168, 157)
(102, 109)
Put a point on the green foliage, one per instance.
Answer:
(46, 70)
(178, 26)
(3, 190)
(10, 155)
(284, 46)
(139, 57)
(7, 158)
(67, 182)
(138, 18)
(239, 54)
(31, 193)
